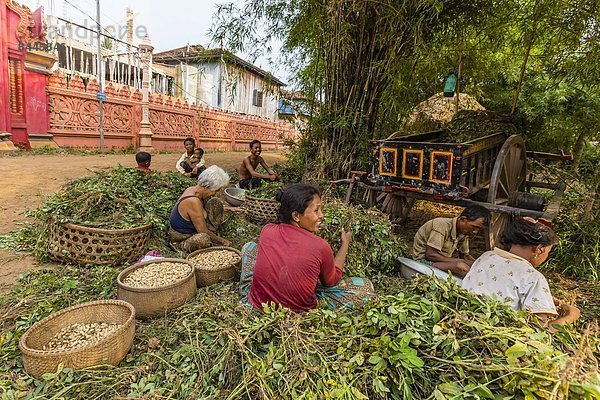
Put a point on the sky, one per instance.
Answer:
(170, 23)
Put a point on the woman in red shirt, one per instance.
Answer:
(292, 266)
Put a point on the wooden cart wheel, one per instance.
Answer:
(370, 197)
(508, 176)
(396, 205)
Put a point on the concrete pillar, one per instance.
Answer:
(145, 52)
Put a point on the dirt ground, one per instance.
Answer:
(26, 181)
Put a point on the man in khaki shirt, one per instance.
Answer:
(438, 239)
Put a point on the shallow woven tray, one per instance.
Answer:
(108, 351)
(93, 246)
(227, 272)
(260, 210)
(153, 302)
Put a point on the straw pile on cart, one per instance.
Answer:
(435, 112)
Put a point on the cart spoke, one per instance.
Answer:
(497, 225)
(505, 178)
(504, 190)
(517, 176)
(518, 153)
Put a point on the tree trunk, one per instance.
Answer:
(594, 196)
(530, 42)
(521, 75)
(578, 148)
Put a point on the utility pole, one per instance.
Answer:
(100, 96)
(129, 43)
(145, 53)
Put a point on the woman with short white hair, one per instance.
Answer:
(197, 214)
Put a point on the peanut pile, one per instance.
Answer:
(77, 335)
(215, 259)
(157, 274)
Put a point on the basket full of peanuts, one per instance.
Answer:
(90, 334)
(215, 264)
(157, 286)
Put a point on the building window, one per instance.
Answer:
(257, 98)
(16, 86)
(62, 56)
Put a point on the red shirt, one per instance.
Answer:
(289, 264)
(144, 168)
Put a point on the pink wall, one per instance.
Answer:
(4, 88)
(36, 102)
(74, 114)
(16, 121)
(25, 86)
(73, 120)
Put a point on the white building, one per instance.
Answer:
(220, 79)
(75, 47)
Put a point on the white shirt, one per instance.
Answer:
(508, 277)
(185, 157)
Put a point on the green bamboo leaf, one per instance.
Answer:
(379, 386)
(449, 388)
(517, 350)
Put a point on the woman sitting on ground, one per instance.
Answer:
(292, 266)
(511, 275)
(196, 215)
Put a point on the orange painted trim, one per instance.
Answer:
(381, 158)
(450, 156)
(421, 156)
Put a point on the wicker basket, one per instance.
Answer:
(262, 211)
(94, 246)
(153, 302)
(227, 272)
(108, 351)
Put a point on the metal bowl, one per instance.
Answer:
(232, 196)
(411, 268)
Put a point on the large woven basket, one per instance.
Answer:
(94, 246)
(262, 211)
(225, 273)
(108, 351)
(153, 302)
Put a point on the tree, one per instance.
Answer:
(349, 52)
(366, 63)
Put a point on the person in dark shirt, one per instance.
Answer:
(197, 213)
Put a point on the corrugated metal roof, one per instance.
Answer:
(196, 54)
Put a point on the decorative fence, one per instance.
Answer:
(74, 116)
